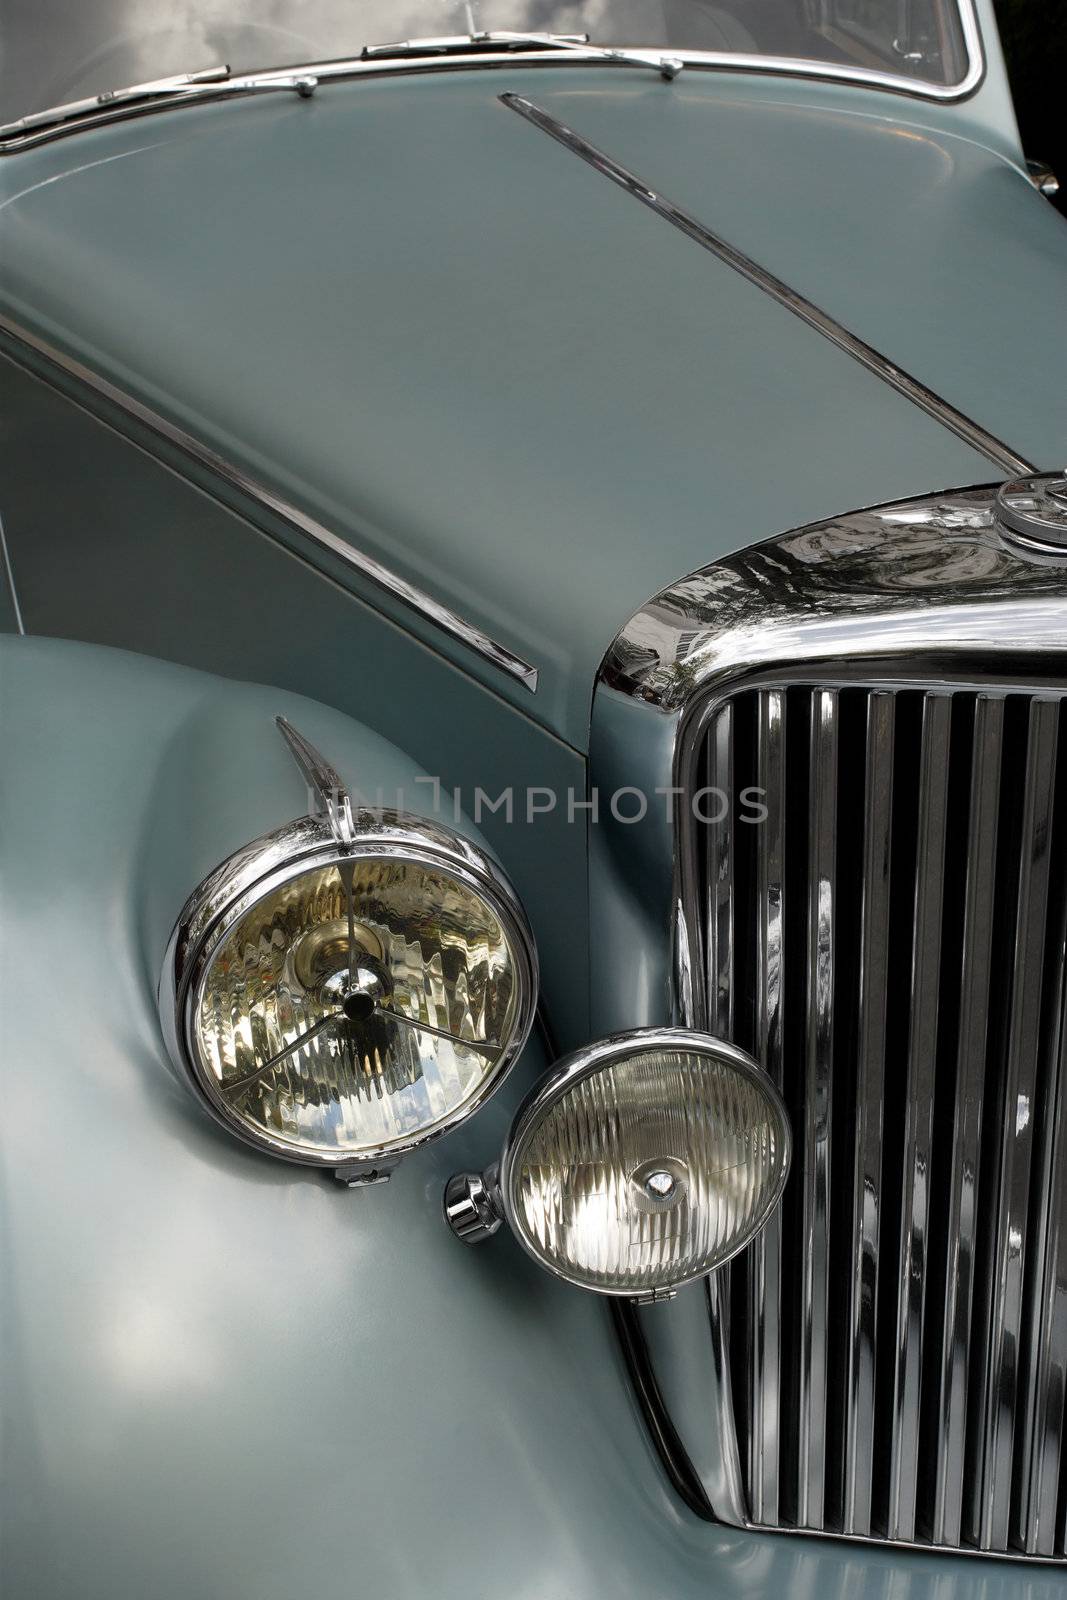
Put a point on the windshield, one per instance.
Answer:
(52, 51)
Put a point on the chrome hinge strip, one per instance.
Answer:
(964, 427)
(416, 600)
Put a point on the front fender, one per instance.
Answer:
(225, 1375)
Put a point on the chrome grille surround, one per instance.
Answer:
(924, 1323)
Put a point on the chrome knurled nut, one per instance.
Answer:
(471, 1207)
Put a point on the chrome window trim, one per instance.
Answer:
(416, 600)
(938, 577)
(964, 427)
(26, 133)
(275, 858)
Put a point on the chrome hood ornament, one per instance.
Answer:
(1033, 511)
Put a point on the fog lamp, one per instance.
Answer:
(639, 1164)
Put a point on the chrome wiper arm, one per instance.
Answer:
(667, 66)
(219, 82)
(176, 88)
(468, 43)
(455, 43)
(114, 97)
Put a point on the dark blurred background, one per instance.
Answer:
(1035, 42)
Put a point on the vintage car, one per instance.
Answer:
(535, 560)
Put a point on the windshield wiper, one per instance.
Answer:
(302, 83)
(220, 81)
(469, 43)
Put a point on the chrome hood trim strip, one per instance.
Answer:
(964, 427)
(414, 599)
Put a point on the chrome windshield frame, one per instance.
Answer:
(198, 89)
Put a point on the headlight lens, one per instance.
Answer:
(339, 1006)
(645, 1162)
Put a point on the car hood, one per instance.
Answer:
(457, 346)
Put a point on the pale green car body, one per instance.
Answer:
(411, 317)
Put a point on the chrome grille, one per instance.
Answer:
(889, 941)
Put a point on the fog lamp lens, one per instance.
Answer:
(645, 1162)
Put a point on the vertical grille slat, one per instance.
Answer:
(720, 990)
(765, 1261)
(891, 943)
(976, 982)
(870, 1074)
(815, 1282)
(919, 1123)
(992, 1503)
(1043, 1356)
(720, 780)
(1043, 1436)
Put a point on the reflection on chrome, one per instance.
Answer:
(350, 985)
(56, 54)
(886, 581)
(896, 681)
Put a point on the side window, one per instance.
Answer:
(895, 35)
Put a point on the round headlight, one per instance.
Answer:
(645, 1161)
(340, 1001)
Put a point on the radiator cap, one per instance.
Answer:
(1034, 511)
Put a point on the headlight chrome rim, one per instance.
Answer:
(585, 1063)
(269, 863)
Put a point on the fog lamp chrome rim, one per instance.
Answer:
(267, 865)
(475, 1204)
